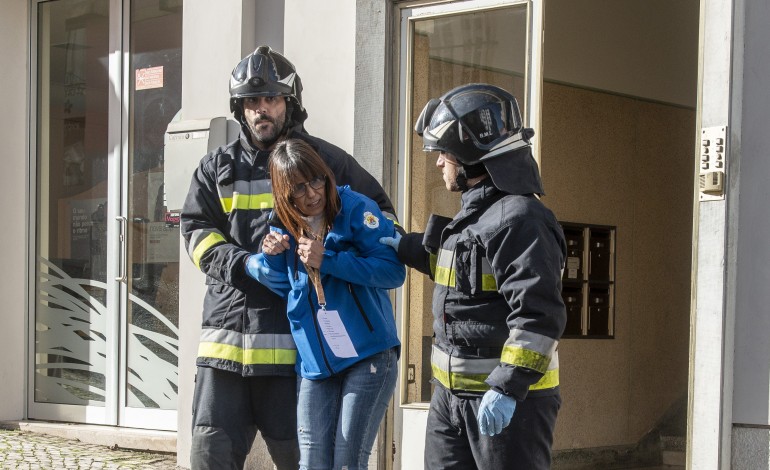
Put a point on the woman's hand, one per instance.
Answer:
(311, 252)
(275, 243)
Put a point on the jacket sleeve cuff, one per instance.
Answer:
(513, 381)
(433, 229)
(239, 278)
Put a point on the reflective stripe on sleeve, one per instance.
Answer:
(528, 349)
(201, 241)
(551, 377)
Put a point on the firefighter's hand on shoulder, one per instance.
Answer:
(495, 412)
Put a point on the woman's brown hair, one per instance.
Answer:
(293, 160)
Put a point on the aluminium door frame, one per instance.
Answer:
(402, 120)
(713, 303)
(108, 414)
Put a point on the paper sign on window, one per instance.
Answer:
(151, 77)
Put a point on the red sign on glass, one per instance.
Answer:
(151, 77)
(172, 219)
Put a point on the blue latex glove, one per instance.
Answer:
(392, 241)
(495, 412)
(252, 266)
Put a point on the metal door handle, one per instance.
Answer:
(122, 262)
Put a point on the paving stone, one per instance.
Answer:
(24, 450)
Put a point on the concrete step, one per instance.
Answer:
(111, 436)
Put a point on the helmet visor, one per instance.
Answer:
(485, 118)
(432, 134)
(481, 116)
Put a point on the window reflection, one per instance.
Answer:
(73, 87)
(155, 99)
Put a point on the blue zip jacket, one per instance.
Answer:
(356, 273)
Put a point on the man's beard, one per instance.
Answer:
(266, 137)
(460, 184)
(456, 183)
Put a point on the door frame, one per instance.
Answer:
(410, 418)
(713, 308)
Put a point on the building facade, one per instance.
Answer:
(649, 120)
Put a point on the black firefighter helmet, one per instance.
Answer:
(265, 72)
(480, 123)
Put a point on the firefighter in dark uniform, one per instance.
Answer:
(497, 306)
(245, 380)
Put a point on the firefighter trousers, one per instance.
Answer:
(229, 409)
(453, 440)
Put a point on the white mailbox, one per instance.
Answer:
(186, 142)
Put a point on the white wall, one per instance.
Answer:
(320, 40)
(208, 60)
(13, 189)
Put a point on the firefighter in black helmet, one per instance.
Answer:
(497, 307)
(266, 73)
(246, 380)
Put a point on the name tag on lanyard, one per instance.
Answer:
(335, 333)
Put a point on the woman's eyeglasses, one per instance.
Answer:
(300, 189)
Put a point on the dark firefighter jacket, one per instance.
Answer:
(224, 218)
(497, 306)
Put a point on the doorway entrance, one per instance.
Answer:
(105, 315)
(611, 93)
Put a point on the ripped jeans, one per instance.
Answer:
(338, 417)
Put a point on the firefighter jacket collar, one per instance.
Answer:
(479, 196)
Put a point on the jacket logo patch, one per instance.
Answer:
(370, 220)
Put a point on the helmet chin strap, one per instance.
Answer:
(469, 172)
(288, 120)
(461, 180)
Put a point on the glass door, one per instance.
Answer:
(443, 46)
(150, 325)
(104, 342)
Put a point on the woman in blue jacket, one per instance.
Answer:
(326, 260)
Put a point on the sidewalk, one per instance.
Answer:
(33, 450)
(27, 450)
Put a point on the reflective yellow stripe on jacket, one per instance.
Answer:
(456, 373)
(201, 241)
(445, 272)
(245, 195)
(248, 349)
(528, 349)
